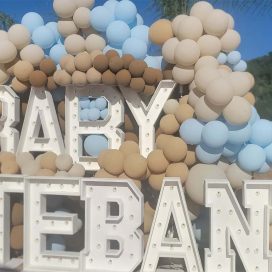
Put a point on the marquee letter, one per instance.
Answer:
(251, 238)
(113, 214)
(171, 202)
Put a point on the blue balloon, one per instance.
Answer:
(100, 18)
(251, 158)
(84, 102)
(53, 26)
(108, 48)
(111, 5)
(101, 103)
(215, 134)
(231, 150)
(135, 47)
(84, 115)
(126, 11)
(155, 62)
(117, 32)
(241, 66)
(104, 114)
(94, 144)
(55, 243)
(141, 32)
(268, 151)
(92, 104)
(261, 133)
(239, 134)
(140, 20)
(234, 57)
(265, 168)
(222, 58)
(44, 37)
(208, 155)
(190, 131)
(93, 114)
(57, 52)
(254, 116)
(32, 20)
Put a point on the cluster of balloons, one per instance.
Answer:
(93, 109)
(234, 60)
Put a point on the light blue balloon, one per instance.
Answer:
(251, 158)
(190, 131)
(141, 32)
(231, 150)
(241, 66)
(208, 155)
(84, 102)
(222, 58)
(215, 134)
(117, 32)
(234, 57)
(126, 11)
(104, 114)
(55, 243)
(135, 47)
(32, 20)
(84, 115)
(101, 103)
(268, 151)
(140, 20)
(108, 48)
(53, 26)
(265, 168)
(261, 133)
(93, 114)
(100, 18)
(43, 37)
(111, 5)
(94, 144)
(239, 134)
(156, 62)
(254, 116)
(57, 52)
(92, 104)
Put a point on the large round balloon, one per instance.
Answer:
(117, 33)
(57, 52)
(135, 47)
(125, 11)
(261, 133)
(100, 18)
(207, 154)
(32, 20)
(231, 150)
(53, 26)
(8, 51)
(190, 131)
(94, 144)
(239, 134)
(141, 32)
(19, 35)
(43, 37)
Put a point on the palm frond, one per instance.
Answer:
(5, 21)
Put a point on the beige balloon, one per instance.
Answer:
(183, 76)
(187, 53)
(201, 10)
(196, 180)
(67, 27)
(19, 35)
(236, 176)
(230, 40)
(8, 51)
(223, 164)
(4, 76)
(238, 111)
(204, 76)
(64, 8)
(216, 23)
(170, 106)
(205, 111)
(190, 28)
(94, 42)
(194, 96)
(220, 92)
(32, 53)
(206, 61)
(85, 3)
(242, 82)
(231, 22)
(3, 35)
(74, 44)
(168, 50)
(82, 17)
(209, 45)
(176, 21)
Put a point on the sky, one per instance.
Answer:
(255, 27)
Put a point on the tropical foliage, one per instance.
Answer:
(5, 21)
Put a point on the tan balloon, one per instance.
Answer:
(129, 147)
(190, 28)
(135, 166)
(156, 180)
(67, 27)
(230, 40)
(216, 23)
(4, 76)
(113, 162)
(206, 61)
(204, 76)
(74, 44)
(238, 111)
(236, 176)
(19, 35)
(176, 21)
(209, 45)
(196, 179)
(83, 61)
(242, 82)
(223, 164)
(190, 158)
(169, 124)
(175, 150)
(32, 53)
(162, 140)
(82, 17)
(85, 3)
(187, 53)
(170, 106)
(183, 76)
(184, 112)
(93, 76)
(94, 42)
(64, 8)
(205, 111)
(250, 98)
(184, 99)
(156, 161)
(201, 10)
(79, 78)
(62, 78)
(179, 170)
(3, 35)
(160, 31)
(23, 69)
(194, 96)
(8, 51)
(219, 92)
(168, 50)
